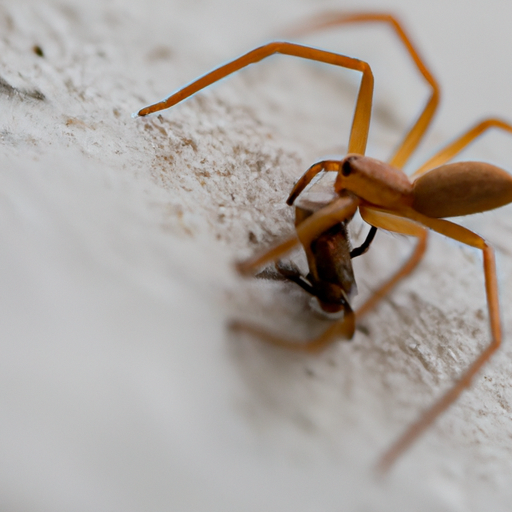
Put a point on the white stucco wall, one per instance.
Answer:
(120, 387)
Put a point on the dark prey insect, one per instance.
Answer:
(385, 197)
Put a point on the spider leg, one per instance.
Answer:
(467, 237)
(362, 114)
(415, 134)
(455, 147)
(398, 225)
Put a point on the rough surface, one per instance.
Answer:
(121, 388)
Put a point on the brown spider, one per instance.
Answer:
(385, 197)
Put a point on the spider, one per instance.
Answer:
(385, 197)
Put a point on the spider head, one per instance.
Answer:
(373, 181)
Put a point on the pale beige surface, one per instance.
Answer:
(120, 386)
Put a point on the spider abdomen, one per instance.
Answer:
(461, 188)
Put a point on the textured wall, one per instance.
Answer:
(120, 387)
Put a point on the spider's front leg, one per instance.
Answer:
(362, 113)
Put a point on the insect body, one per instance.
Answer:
(331, 277)
(385, 197)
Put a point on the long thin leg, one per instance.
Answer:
(361, 121)
(397, 225)
(415, 134)
(465, 236)
(455, 147)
